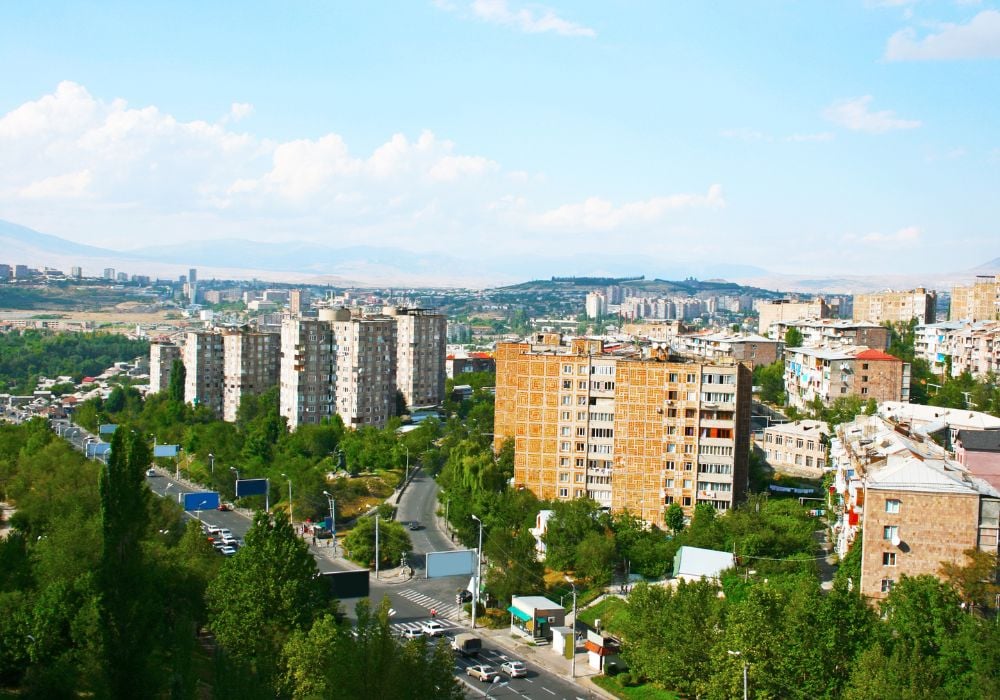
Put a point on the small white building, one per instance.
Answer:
(697, 564)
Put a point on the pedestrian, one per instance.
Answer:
(314, 540)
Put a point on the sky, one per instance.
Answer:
(857, 136)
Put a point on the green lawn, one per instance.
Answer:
(608, 611)
(639, 692)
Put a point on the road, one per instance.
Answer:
(410, 599)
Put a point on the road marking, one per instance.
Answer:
(546, 690)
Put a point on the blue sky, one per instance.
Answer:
(803, 137)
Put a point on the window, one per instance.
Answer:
(564, 415)
(578, 478)
(687, 500)
(887, 584)
(864, 390)
(563, 492)
(690, 379)
(565, 400)
(892, 505)
(564, 477)
(798, 443)
(670, 466)
(687, 466)
(567, 384)
(671, 413)
(567, 369)
(672, 377)
(669, 483)
(564, 461)
(564, 447)
(564, 430)
(888, 558)
(687, 483)
(864, 365)
(864, 377)
(890, 532)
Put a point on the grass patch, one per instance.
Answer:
(646, 691)
(609, 611)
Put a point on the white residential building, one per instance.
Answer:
(421, 351)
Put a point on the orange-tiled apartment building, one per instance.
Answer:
(632, 430)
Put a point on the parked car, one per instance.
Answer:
(482, 672)
(227, 550)
(414, 633)
(224, 506)
(514, 669)
(433, 628)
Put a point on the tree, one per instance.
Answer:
(263, 594)
(570, 523)
(127, 609)
(178, 375)
(977, 580)
(595, 557)
(771, 380)
(793, 338)
(393, 542)
(674, 518)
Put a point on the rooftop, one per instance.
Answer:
(980, 440)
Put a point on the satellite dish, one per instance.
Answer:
(896, 540)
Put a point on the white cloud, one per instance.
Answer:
(599, 214)
(853, 113)
(450, 168)
(806, 138)
(68, 186)
(979, 38)
(908, 235)
(535, 19)
(240, 110)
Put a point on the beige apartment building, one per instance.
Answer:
(251, 366)
(896, 307)
(798, 447)
(655, 330)
(204, 370)
(771, 311)
(830, 373)
(832, 332)
(421, 351)
(161, 362)
(751, 350)
(307, 370)
(632, 430)
(365, 388)
(979, 301)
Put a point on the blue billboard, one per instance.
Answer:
(458, 563)
(164, 450)
(98, 449)
(202, 500)
(107, 429)
(251, 487)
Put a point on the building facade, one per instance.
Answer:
(751, 350)
(204, 362)
(835, 332)
(979, 301)
(421, 349)
(251, 366)
(632, 432)
(798, 447)
(896, 307)
(827, 374)
(365, 389)
(161, 363)
(771, 311)
(307, 370)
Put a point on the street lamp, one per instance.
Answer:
(479, 571)
(573, 669)
(745, 664)
(376, 548)
(333, 518)
(407, 477)
(236, 471)
(291, 519)
(211, 462)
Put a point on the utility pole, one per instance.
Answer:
(291, 518)
(479, 571)
(573, 642)
(376, 548)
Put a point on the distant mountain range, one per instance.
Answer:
(316, 263)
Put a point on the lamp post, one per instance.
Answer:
(376, 547)
(573, 666)
(291, 519)
(479, 571)
(745, 664)
(211, 463)
(407, 477)
(333, 518)
(236, 471)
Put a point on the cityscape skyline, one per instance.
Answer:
(681, 135)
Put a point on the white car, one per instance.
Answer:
(414, 633)
(514, 669)
(482, 672)
(433, 628)
(227, 551)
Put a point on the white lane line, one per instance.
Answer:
(546, 690)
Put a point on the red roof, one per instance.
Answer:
(876, 355)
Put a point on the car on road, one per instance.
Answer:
(433, 628)
(414, 525)
(224, 506)
(482, 672)
(412, 633)
(514, 669)
(227, 550)
(150, 472)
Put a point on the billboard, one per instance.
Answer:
(251, 487)
(107, 429)
(459, 563)
(164, 450)
(202, 500)
(347, 584)
(98, 449)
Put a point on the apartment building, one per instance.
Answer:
(251, 366)
(964, 346)
(655, 330)
(204, 370)
(596, 305)
(462, 362)
(896, 307)
(421, 349)
(930, 343)
(798, 447)
(979, 301)
(161, 363)
(830, 373)
(365, 388)
(834, 333)
(751, 350)
(307, 371)
(633, 430)
(979, 452)
(914, 507)
(771, 311)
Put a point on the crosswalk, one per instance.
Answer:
(399, 627)
(443, 610)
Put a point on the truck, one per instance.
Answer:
(467, 644)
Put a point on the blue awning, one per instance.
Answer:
(523, 616)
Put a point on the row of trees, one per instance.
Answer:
(107, 592)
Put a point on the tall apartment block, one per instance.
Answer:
(632, 431)
(777, 310)
(366, 369)
(204, 370)
(421, 352)
(161, 363)
(979, 301)
(251, 366)
(896, 307)
(308, 369)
